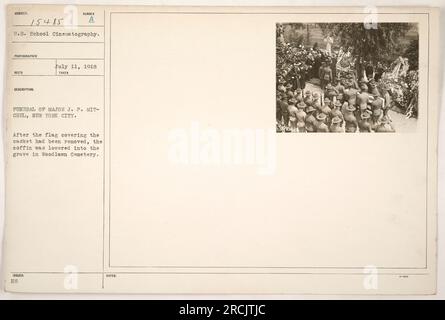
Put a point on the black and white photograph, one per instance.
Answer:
(347, 77)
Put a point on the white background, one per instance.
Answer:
(441, 169)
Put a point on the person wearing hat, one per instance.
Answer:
(291, 77)
(279, 116)
(310, 121)
(284, 110)
(377, 103)
(351, 123)
(290, 94)
(336, 112)
(369, 70)
(318, 107)
(385, 126)
(292, 101)
(301, 116)
(299, 95)
(326, 108)
(316, 97)
(376, 117)
(331, 92)
(364, 124)
(350, 94)
(304, 71)
(336, 125)
(326, 102)
(362, 81)
(296, 75)
(373, 88)
(343, 107)
(321, 123)
(379, 71)
(363, 98)
(292, 109)
(363, 88)
(352, 80)
(340, 98)
(281, 84)
(326, 75)
(288, 86)
(316, 100)
(362, 107)
(340, 86)
(308, 98)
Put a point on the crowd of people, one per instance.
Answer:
(340, 102)
(341, 107)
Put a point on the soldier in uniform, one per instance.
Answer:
(318, 108)
(327, 102)
(384, 126)
(290, 94)
(296, 77)
(365, 122)
(288, 86)
(316, 98)
(369, 70)
(336, 112)
(284, 111)
(304, 70)
(351, 80)
(377, 106)
(301, 116)
(326, 109)
(281, 87)
(336, 125)
(299, 95)
(310, 121)
(308, 98)
(326, 76)
(379, 71)
(350, 93)
(373, 88)
(340, 87)
(362, 99)
(340, 98)
(321, 123)
(279, 116)
(331, 92)
(351, 123)
(292, 109)
(376, 116)
(343, 107)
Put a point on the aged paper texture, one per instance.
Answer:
(158, 150)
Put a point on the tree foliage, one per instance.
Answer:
(292, 32)
(412, 53)
(368, 44)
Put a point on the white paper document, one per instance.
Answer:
(261, 150)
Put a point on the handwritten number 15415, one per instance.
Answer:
(47, 22)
